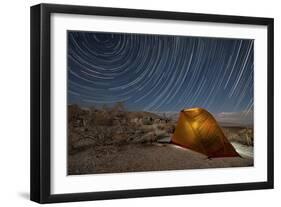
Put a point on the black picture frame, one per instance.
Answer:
(40, 102)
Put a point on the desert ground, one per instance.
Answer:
(112, 140)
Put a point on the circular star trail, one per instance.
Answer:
(160, 72)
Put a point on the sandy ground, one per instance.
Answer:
(148, 157)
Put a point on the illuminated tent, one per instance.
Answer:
(198, 130)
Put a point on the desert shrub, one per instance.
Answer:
(242, 136)
(161, 136)
(169, 127)
(102, 118)
(147, 122)
(149, 137)
(161, 127)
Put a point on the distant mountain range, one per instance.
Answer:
(225, 119)
(245, 119)
(232, 119)
(169, 114)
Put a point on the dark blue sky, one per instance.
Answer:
(159, 72)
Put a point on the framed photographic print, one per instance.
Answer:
(133, 103)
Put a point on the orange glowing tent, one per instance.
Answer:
(198, 130)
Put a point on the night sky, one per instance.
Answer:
(159, 72)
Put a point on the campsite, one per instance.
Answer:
(153, 102)
(114, 140)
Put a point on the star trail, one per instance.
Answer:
(159, 72)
